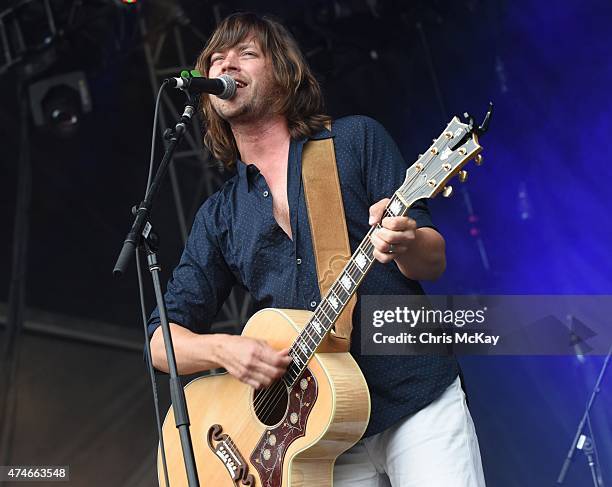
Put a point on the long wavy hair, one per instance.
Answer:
(300, 101)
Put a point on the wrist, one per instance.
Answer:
(216, 351)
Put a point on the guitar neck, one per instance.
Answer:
(338, 296)
(424, 179)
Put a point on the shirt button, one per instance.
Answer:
(299, 261)
(313, 304)
(265, 194)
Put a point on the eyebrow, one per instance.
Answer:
(241, 45)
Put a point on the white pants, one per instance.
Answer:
(436, 447)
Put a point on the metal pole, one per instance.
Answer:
(16, 306)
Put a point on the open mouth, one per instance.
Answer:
(240, 83)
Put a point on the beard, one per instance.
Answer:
(255, 102)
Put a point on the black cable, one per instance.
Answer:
(154, 135)
(143, 310)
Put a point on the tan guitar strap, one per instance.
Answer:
(330, 240)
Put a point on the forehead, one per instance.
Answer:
(238, 36)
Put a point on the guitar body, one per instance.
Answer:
(306, 427)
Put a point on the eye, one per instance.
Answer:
(249, 53)
(215, 59)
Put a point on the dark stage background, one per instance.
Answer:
(532, 220)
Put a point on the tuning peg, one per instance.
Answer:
(463, 176)
(447, 191)
(478, 160)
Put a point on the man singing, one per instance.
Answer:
(255, 232)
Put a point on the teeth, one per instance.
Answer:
(240, 84)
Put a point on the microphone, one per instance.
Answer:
(224, 86)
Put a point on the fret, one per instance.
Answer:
(396, 207)
(347, 282)
(326, 315)
(326, 325)
(361, 260)
(338, 290)
(335, 303)
(305, 348)
(306, 334)
(368, 247)
(322, 317)
(366, 250)
(295, 356)
(317, 327)
(422, 180)
(332, 311)
(337, 296)
(303, 359)
(310, 341)
(355, 274)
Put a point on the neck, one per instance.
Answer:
(262, 141)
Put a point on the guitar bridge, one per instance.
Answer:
(225, 449)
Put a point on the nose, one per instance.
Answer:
(230, 63)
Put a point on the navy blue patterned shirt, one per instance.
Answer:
(235, 239)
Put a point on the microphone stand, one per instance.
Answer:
(137, 236)
(582, 441)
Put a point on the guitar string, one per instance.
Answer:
(271, 397)
(351, 263)
(279, 386)
(277, 392)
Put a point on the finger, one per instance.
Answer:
(286, 360)
(243, 374)
(285, 354)
(383, 243)
(271, 372)
(396, 238)
(378, 243)
(377, 210)
(261, 379)
(390, 237)
(382, 257)
(398, 223)
(385, 248)
(276, 358)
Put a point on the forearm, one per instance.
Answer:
(194, 352)
(426, 256)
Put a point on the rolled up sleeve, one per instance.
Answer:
(202, 280)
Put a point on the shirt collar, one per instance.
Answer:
(323, 134)
(248, 172)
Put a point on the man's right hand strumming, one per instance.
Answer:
(250, 360)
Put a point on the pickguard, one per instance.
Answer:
(269, 453)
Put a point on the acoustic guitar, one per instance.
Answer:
(291, 433)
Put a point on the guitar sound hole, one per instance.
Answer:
(270, 404)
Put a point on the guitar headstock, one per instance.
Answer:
(445, 158)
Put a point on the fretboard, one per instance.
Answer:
(333, 303)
